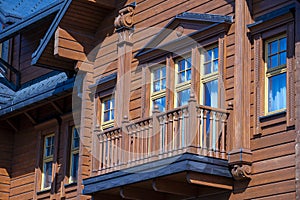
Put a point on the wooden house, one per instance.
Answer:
(149, 99)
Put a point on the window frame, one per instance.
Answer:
(47, 160)
(157, 94)
(110, 123)
(260, 33)
(205, 78)
(271, 72)
(182, 86)
(72, 152)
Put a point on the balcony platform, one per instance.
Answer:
(200, 175)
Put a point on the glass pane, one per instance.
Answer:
(216, 53)
(273, 47)
(277, 92)
(47, 174)
(74, 167)
(188, 63)
(181, 77)
(282, 57)
(282, 44)
(106, 116)
(112, 115)
(75, 139)
(215, 66)
(207, 68)
(181, 65)
(208, 56)
(156, 74)
(211, 93)
(156, 86)
(106, 104)
(163, 84)
(112, 103)
(273, 61)
(163, 72)
(189, 75)
(183, 97)
(161, 103)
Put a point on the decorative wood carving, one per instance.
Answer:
(257, 81)
(241, 172)
(125, 18)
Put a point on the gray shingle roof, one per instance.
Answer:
(34, 91)
(15, 10)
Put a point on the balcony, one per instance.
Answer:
(184, 142)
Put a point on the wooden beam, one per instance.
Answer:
(135, 193)
(175, 187)
(33, 121)
(108, 4)
(210, 180)
(56, 107)
(12, 125)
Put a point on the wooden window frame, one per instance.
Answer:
(157, 94)
(179, 87)
(260, 34)
(110, 123)
(281, 69)
(72, 152)
(205, 78)
(47, 160)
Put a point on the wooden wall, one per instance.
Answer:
(6, 146)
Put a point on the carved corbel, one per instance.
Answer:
(125, 17)
(241, 172)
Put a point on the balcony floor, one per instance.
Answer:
(183, 176)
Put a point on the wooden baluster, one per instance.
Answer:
(223, 121)
(150, 138)
(137, 142)
(155, 132)
(109, 150)
(170, 133)
(161, 134)
(211, 118)
(205, 149)
(200, 125)
(186, 127)
(218, 134)
(180, 127)
(175, 132)
(105, 151)
(101, 151)
(125, 141)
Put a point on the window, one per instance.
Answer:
(74, 156)
(209, 78)
(108, 112)
(47, 161)
(183, 80)
(275, 74)
(158, 88)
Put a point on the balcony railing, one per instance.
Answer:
(193, 128)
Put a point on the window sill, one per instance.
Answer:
(70, 184)
(43, 191)
(272, 116)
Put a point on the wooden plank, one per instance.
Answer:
(273, 164)
(272, 140)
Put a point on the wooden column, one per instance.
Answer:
(297, 89)
(124, 28)
(240, 154)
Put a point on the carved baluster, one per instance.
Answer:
(217, 134)
(211, 132)
(223, 125)
(205, 132)
(175, 145)
(100, 151)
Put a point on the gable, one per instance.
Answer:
(184, 27)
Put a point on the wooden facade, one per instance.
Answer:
(84, 116)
